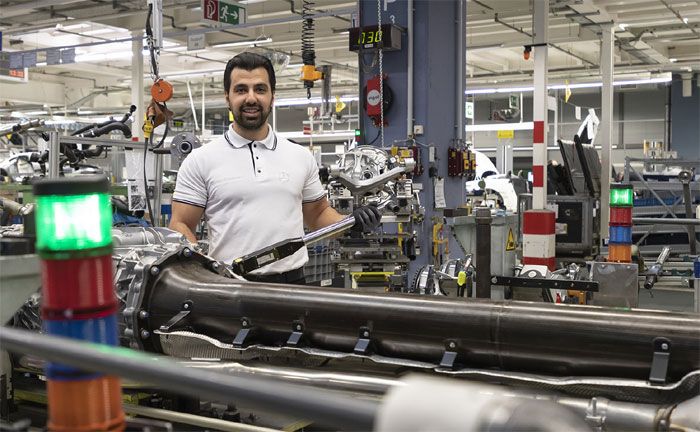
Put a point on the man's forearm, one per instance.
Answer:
(183, 229)
(328, 216)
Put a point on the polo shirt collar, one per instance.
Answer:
(237, 141)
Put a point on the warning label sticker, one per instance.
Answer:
(510, 243)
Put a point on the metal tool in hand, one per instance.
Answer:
(258, 259)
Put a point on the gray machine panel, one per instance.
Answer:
(574, 224)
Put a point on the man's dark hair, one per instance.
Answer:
(249, 61)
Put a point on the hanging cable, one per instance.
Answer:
(150, 41)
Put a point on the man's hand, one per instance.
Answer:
(367, 218)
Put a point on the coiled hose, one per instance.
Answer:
(308, 54)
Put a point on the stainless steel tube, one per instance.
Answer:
(194, 420)
(664, 221)
(325, 407)
(54, 154)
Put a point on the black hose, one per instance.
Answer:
(149, 36)
(94, 153)
(84, 129)
(96, 132)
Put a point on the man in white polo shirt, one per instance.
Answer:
(254, 188)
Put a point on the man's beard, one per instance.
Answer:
(251, 123)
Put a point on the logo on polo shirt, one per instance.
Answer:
(284, 176)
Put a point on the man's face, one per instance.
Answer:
(250, 97)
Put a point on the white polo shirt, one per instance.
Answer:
(252, 193)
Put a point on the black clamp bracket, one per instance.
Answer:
(659, 363)
(297, 333)
(363, 342)
(244, 333)
(450, 355)
(185, 310)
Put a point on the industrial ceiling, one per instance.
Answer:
(652, 37)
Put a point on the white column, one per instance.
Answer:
(539, 111)
(606, 126)
(137, 84)
(204, 83)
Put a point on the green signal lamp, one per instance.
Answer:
(73, 214)
(621, 195)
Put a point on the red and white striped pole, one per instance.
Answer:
(538, 223)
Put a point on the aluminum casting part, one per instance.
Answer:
(323, 406)
(193, 420)
(456, 407)
(357, 187)
(560, 339)
(144, 236)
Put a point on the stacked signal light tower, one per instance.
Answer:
(74, 242)
(621, 204)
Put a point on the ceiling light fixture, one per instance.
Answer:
(622, 26)
(673, 60)
(313, 100)
(662, 79)
(244, 43)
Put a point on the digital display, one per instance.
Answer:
(387, 38)
(369, 37)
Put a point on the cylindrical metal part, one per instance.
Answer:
(328, 408)
(483, 253)
(663, 256)
(514, 336)
(54, 154)
(688, 201)
(10, 206)
(604, 414)
(193, 420)
(329, 231)
(664, 221)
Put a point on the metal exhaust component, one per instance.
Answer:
(183, 294)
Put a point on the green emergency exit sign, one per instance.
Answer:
(222, 12)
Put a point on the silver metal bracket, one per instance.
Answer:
(297, 334)
(659, 363)
(449, 356)
(363, 342)
(186, 309)
(243, 334)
